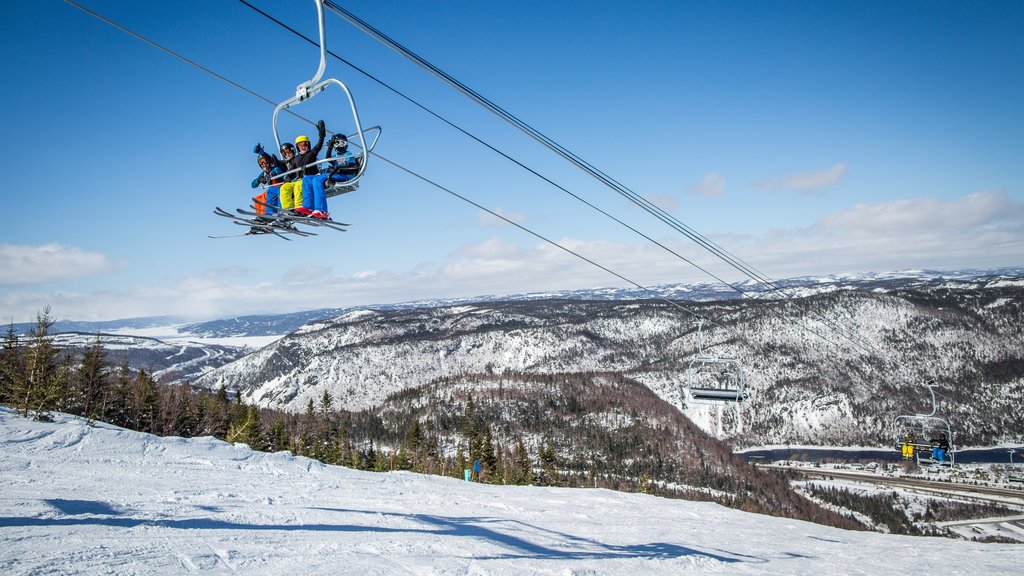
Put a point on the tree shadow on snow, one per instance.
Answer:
(518, 539)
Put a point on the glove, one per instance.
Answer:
(258, 148)
(321, 127)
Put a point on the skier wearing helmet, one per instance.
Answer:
(270, 168)
(306, 156)
(343, 167)
(291, 191)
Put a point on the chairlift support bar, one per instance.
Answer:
(732, 369)
(922, 423)
(314, 86)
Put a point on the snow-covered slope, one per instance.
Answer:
(831, 368)
(80, 499)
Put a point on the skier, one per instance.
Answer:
(342, 169)
(270, 168)
(908, 445)
(939, 448)
(291, 191)
(305, 159)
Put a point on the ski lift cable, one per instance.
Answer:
(268, 101)
(399, 166)
(272, 103)
(610, 182)
(493, 148)
(541, 176)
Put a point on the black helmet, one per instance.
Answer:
(339, 142)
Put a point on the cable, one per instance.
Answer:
(190, 62)
(400, 167)
(527, 168)
(484, 143)
(605, 179)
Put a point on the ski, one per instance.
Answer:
(297, 219)
(236, 235)
(281, 225)
(278, 229)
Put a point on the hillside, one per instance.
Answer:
(166, 362)
(603, 430)
(806, 383)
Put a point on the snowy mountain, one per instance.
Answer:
(166, 362)
(281, 324)
(97, 499)
(833, 365)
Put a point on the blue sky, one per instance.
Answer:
(805, 137)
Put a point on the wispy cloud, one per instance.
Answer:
(711, 185)
(26, 264)
(805, 181)
(981, 230)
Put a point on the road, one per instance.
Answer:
(990, 493)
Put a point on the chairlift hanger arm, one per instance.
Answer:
(314, 86)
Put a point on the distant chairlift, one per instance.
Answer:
(925, 428)
(1016, 472)
(713, 379)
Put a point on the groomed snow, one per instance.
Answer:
(102, 500)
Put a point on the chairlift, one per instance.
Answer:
(1015, 472)
(306, 91)
(712, 378)
(922, 429)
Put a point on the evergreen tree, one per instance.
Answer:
(340, 448)
(380, 463)
(547, 458)
(523, 467)
(116, 407)
(42, 385)
(142, 415)
(12, 366)
(488, 457)
(416, 445)
(402, 460)
(90, 382)
(249, 432)
(277, 436)
(309, 433)
(460, 462)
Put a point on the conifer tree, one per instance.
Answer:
(11, 365)
(143, 402)
(460, 462)
(380, 463)
(117, 405)
(43, 383)
(340, 449)
(90, 382)
(277, 436)
(416, 447)
(488, 458)
(249, 432)
(547, 458)
(523, 467)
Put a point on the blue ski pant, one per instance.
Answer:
(314, 197)
(273, 199)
